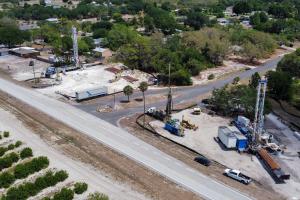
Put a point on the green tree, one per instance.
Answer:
(242, 7)
(137, 54)
(80, 188)
(236, 80)
(97, 196)
(196, 20)
(128, 90)
(143, 88)
(120, 35)
(26, 153)
(290, 64)
(279, 85)
(254, 80)
(11, 36)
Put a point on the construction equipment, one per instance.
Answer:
(157, 114)
(196, 111)
(187, 124)
(273, 165)
(174, 127)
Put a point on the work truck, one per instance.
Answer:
(237, 175)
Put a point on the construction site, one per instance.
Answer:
(255, 157)
(266, 149)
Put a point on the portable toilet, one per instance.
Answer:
(241, 141)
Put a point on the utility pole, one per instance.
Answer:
(31, 63)
(114, 98)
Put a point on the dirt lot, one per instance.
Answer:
(202, 141)
(18, 68)
(256, 190)
(82, 148)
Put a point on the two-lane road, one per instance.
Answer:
(183, 94)
(125, 143)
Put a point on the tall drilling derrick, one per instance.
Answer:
(259, 110)
(169, 106)
(75, 47)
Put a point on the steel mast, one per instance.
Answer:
(75, 47)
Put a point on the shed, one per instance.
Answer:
(227, 137)
(4, 51)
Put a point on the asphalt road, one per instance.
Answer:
(125, 143)
(183, 94)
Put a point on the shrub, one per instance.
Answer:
(6, 179)
(18, 143)
(11, 146)
(80, 188)
(2, 150)
(28, 189)
(23, 170)
(8, 160)
(211, 77)
(35, 165)
(26, 153)
(6, 134)
(0, 137)
(64, 194)
(97, 196)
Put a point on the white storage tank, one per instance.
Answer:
(227, 137)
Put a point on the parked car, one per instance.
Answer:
(203, 160)
(237, 175)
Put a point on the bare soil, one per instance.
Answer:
(80, 147)
(256, 190)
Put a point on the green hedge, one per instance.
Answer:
(3, 150)
(80, 188)
(26, 153)
(23, 170)
(8, 160)
(29, 189)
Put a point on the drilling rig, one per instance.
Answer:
(259, 110)
(75, 47)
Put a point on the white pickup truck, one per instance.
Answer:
(237, 175)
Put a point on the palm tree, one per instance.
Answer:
(143, 88)
(128, 90)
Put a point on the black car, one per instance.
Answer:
(202, 160)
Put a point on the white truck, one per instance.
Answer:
(237, 175)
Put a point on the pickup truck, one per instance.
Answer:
(237, 175)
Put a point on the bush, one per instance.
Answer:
(18, 143)
(6, 134)
(11, 146)
(2, 150)
(28, 189)
(97, 196)
(0, 137)
(211, 77)
(80, 188)
(23, 170)
(26, 153)
(6, 179)
(8, 160)
(64, 194)
(35, 165)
